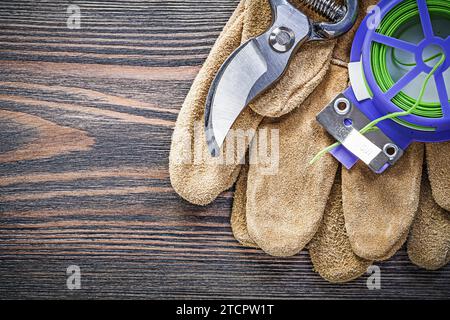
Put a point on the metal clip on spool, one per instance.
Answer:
(344, 120)
(369, 98)
(258, 64)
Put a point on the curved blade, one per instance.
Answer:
(231, 91)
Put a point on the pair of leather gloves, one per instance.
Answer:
(346, 219)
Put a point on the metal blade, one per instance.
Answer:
(231, 92)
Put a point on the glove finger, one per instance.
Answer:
(238, 216)
(284, 210)
(379, 209)
(397, 246)
(194, 174)
(438, 164)
(330, 249)
(304, 74)
(429, 240)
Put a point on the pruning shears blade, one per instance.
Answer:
(231, 91)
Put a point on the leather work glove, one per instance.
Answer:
(348, 222)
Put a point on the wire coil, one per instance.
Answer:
(390, 25)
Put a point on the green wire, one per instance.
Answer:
(396, 18)
(413, 64)
(393, 21)
(412, 109)
(331, 148)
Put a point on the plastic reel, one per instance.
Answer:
(382, 149)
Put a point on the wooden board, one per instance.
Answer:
(86, 117)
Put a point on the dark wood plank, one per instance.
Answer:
(86, 118)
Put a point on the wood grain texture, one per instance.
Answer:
(86, 118)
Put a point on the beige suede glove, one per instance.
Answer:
(368, 217)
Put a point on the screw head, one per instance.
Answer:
(282, 39)
(342, 106)
(391, 151)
